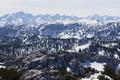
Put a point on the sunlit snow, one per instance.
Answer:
(97, 66)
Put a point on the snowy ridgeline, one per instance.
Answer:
(20, 18)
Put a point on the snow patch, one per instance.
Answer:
(82, 47)
(95, 77)
(1, 65)
(97, 66)
(101, 53)
(116, 56)
(40, 58)
(68, 69)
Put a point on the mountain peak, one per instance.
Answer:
(20, 13)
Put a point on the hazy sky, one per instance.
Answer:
(69, 7)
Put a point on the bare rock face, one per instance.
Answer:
(76, 67)
(118, 69)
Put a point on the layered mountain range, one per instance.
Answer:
(20, 18)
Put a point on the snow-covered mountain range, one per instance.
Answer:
(60, 45)
(25, 24)
(20, 18)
